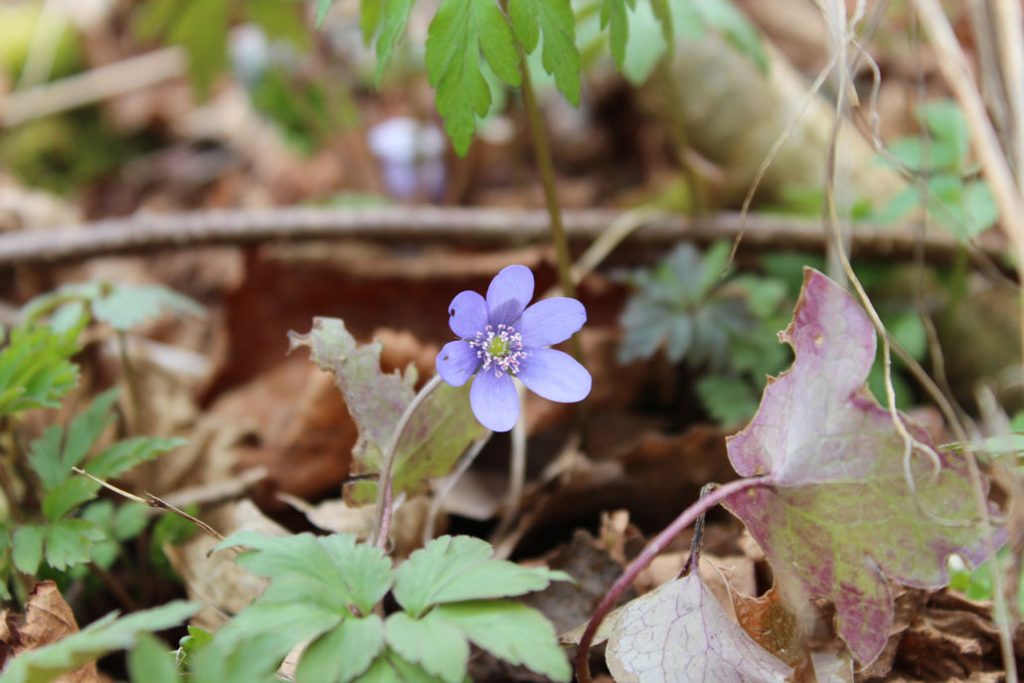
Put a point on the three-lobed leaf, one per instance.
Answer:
(458, 568)
(839, 517)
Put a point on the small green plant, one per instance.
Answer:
(955, 195)
(62, 535)
(723, 326)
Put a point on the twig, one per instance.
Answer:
(153, 502)
(382, 513)
(647, 555)
(698, 534)
(92, 86)
(148, 232)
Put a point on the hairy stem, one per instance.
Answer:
(546, 168)
(644, 559)
(382, 513)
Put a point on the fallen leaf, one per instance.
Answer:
(681, 633)
(837, 516)
(47, 619)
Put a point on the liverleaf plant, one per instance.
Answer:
(838, 493)
(439, 431)
(825, 491)
(328, 590)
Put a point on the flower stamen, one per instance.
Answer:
(499, 347)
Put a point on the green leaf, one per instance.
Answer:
(103, 636)
(647, 45)
(198, 26)
(86, 428)
(70, 542)
(456, 568)
(734, 26)
(281, 20)
(432, 642)
(27, 552)
(437, 435)
(946, 122)
(323, 6)
(256, 661)
(614, 16)
(120, 457)
(344, 653)
(980, 207)
(292, 623)
(66, 496)
(663, 13)
(35, 368)
(353, 574)
(561, 57)
(52, 463)
(394, 15)
(390, 667)
(513, 632)
(44, 457)
(462, 31)
(125, 306)
(151, 662)
(729, 400)
(190, 645)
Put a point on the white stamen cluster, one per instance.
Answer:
(501, 348)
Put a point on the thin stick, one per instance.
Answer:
(382, 513)
(647, 555)
(153, 502)
(449, 483)
(92, 86)
(149, 232)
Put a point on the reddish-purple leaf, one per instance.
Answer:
(838, 517)
(680, 633)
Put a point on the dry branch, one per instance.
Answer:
(451, 226)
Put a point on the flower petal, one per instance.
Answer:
(554, 375)
(509, 292)
(467, 314)
(551, 321)
(457, 362)
(494, 401)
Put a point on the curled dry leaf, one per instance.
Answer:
(47, 619)
(838, 517)
(680, 632)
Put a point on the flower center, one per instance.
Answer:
(499, 347)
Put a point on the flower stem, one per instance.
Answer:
(653, 549)
(382, 513)
(546, 169)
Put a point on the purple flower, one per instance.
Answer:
(502, 339)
